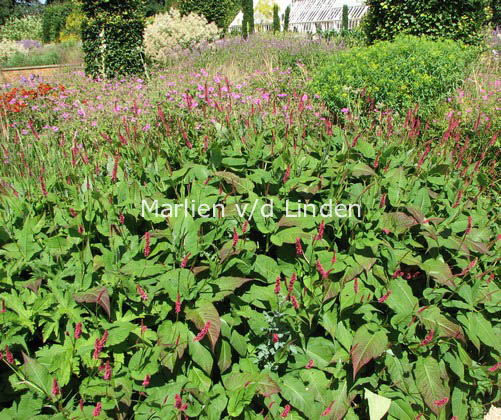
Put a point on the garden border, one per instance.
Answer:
(12, 74)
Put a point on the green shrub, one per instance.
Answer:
(17, 29)
(217, 11)
(54, 20)
(276, 19)
(396, 74)
(287, 15)
(455, 19)
(112, 35)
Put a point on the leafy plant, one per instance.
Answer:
(456, 19)
(395, 74)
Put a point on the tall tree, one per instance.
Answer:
(217, 11)
(287, 15)
(245, 19)
(345, 18)
(276, 19)
(250, 6)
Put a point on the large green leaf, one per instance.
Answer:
(429, 382)
(206, 312)
(378, 405)
(294, 391)
(37, 375)
(366, 346)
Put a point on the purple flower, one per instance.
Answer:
(345, 110)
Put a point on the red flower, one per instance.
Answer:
(299, 247)
(428, 338)
(287, 174)
(147, 249)
(294, 302)
(458, 199)
(42, 186)
(495, 367)
(3, 310)
(185, 260)
(122, 219)
(178, 303)
(467, 269)
(333, 260)
(235, 238)
(55, 388)
(8, 356)
(146, 380)
(144, 328)
(275, 338)
(78, 331)
(309, 365)
(291, 283)
(442, 402)
(178, 401)
(383, 201)
(97, 410)
(81, 404)
(383, 298)
(107, 371)
(320, 234)
(142, 293)
(115, 168)
(202, 333)
(286, 411)
(470, 225)
(73, 212)
(244, 227)
(355, 285)
(321, 270)
(327, 410)
(277, 285)
(99, 344)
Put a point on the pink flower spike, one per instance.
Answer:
(147, 239)
(185, 260)
(202, 333)
(142, 293)
(97, 410)
(275, 338)
(309, 365)
(146, 380)
(277, 285)
(291, 283)
(287, 174)
(178, 303)
(299, 247)
(495, 367)
(286, 411)
(321, 229)
(78, 331)
(55, 388)
(442, 402)
(383, 298)
(327, 410)
(107, 371)
(235, 238)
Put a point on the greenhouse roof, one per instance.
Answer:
(325, 10)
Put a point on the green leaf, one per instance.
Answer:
(98, 295)
(206, 312)
(439, 271)
(378, 405)
(224, 361)
(366, 346)
(484, 330)
(429, 382)
(36, 374)
(294, 391)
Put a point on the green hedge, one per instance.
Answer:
(54, 20)
(454, 19)
(218, 11)
(119, 51)
(395, 74)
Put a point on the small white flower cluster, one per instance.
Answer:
(9, 48)
(170, 34)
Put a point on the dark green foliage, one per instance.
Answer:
(250, 14)
(276, 19)
(287, 18)
(217, 11)
(496, 12)
(397, 75)
(245, 20)
(455, 19)
(54, 20)
(152, 7)
(345, 18)
(119, 51)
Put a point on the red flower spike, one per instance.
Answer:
(287, 174)
(299, 247)
(309, 365)
(202, 333)
(291, 283)
(178, 303)
(470, 225)
(428, 338)
(81, 404)
(327, 411)
(235, 238)
(147, 239)
(8, 356)
(78, 331)
(294, 302)
(3, 309)
(277, 285)
(383, 298)
(178, 401)
(442, 402)
(146, 380)
(185, 260)
(495, 367)
(286, 411)
(122, 219)
(97, 410)
(275, 338)
(321, 229)
(245, 226)
(55, 388)
(107, 371)
(142, 293)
